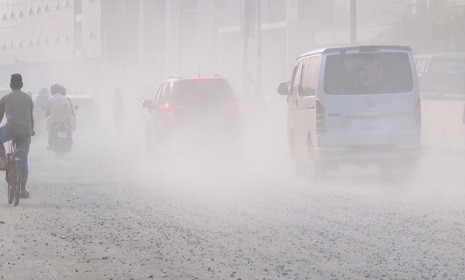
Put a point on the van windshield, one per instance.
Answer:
(368, 73)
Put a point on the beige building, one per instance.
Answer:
(53, 30)
(127, 40)
(80, 42)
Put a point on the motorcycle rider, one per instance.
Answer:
(72, 123)
(18, 108)
(59, 111)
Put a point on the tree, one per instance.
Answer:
(438, 28)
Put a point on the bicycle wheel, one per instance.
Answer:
(10, 186)
(16, 186)
(10, 189)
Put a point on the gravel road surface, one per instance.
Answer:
(104, 212)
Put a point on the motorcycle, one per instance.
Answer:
(62, 140)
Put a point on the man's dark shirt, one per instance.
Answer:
(18, 108)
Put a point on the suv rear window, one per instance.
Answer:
(368, 73)
(201, 92)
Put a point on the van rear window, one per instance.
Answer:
(368, 73)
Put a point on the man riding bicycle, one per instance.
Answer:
(18, 108)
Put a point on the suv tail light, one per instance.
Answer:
(235, 106)
(320, 116)
(417, 112)
(201, 80)
(169, 110)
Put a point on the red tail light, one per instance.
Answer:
(417, 112)
(320, 116)
(235, 106)
(169, 110)
(201, 80)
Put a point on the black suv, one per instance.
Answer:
(185, 110)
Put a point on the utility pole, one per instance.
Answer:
(258, 89)
(141, 33)
(353, 22)
(244, 45)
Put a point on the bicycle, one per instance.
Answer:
(13, 174)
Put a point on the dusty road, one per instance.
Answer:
(104, 212)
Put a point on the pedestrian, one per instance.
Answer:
(118, 110)
(42, 98)
(463, 117)
(18, 108)
(40, 103)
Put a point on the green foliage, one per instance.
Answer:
(439, 28)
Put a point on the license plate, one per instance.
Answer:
(62, 134)
(369, 123)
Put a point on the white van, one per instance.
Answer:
(356, 105)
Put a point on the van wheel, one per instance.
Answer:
(406, 171)
(291, 144)
(398, 173)
(316, 170)
(386, 172)
(301, 169)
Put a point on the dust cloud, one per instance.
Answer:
(262, 156)
(220, 194)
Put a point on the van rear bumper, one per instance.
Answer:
(367, 154)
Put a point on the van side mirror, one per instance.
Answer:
(283, 89)
(147, 104)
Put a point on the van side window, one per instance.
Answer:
(164, 94)
(296, 78)
(421, 66)
(157, 97)
(310, 76)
